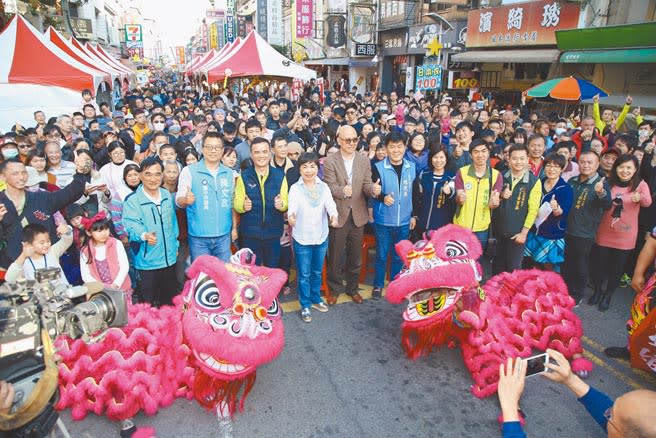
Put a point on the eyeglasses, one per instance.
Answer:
(213, 148)
(23, 146)
(350, 140)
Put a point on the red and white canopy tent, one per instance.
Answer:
(254, 57)
(201, 60)
(64, 44)
(37, 74)
(96, 51)
(201, 69)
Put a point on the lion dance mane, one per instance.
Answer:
(226, 322)
(512, 314)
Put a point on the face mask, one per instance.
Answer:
(10, 153)
(383, 108)
(560, 131)
(174, 129)
(159, 126)
(643, 133)
(316, 130)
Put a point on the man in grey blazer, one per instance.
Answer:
(348, 174)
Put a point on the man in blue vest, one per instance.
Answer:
(261, 199)
(206, 190)
(393, 217)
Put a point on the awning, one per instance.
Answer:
(644, 55)
(362, 62)
(327, 61)
(517, 56)
(608, 37)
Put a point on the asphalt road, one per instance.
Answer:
(344, 375)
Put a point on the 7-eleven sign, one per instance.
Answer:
(133, 33)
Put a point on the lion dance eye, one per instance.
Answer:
(274, 308)
(454, 248)
(207, 294)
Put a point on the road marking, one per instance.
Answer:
(623, 377)
(639, 373)
(365, 291)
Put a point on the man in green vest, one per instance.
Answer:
(520, 201)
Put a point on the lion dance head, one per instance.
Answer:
(440, 280)
(232, 323)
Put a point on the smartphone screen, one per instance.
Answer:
(536, 364)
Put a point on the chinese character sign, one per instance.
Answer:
(181, 55)
(524, 24)
(303, 18)
(428, 77)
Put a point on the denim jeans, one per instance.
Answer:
(218, 247)
(386, 238)
(267, 251)
(309, 264)
(482, 237)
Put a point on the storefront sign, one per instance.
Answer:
(262, 22)
(421, 36)
(274, 18)
(133, 33)
(230, 28)
(303, 18)
(523, 24)
(336, 31)
(461, 80)
(214, 36)
(180, 52)
(428, 77)
(394, 42)
(241, 26)
(82, 28)
(365, 50)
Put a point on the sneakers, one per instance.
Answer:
(306, 315)
(625, 281)
(321, 307)
(376, 293)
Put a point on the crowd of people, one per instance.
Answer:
(129, 196)
(133, 194)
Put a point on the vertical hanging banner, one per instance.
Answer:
(181, 55)
(262, 21)
(214, 36)
(230, 28)
(230, 21)
(303, 18)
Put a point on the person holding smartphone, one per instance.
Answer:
(631, 415)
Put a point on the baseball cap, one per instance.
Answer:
(117, 114)
(129, 116)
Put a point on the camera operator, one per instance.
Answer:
(6, 397)
(24, 207)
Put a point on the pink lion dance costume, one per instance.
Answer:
(225, 324)
(511, 315)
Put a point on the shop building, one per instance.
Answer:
(513, 47)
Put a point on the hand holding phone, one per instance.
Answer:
(536, 364)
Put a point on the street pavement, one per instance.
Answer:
(345, 375)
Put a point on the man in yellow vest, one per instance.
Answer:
(477, 192)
